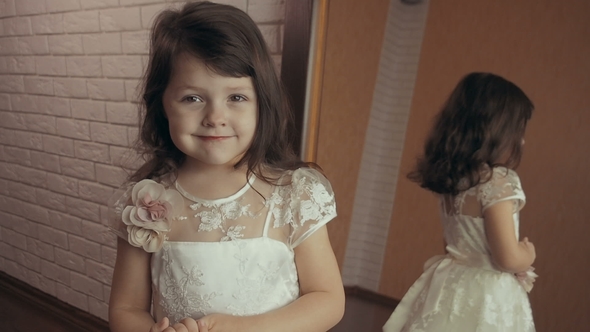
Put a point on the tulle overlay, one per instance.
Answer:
(463, 290)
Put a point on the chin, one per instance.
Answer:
(220, 162)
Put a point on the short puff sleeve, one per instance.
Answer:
(504, 185)
(312, 204)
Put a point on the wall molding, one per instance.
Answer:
(370, 296)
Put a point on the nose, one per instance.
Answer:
(214, 115)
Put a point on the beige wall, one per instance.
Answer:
(541, 45)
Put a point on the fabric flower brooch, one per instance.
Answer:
(527, 278)
(148, 219)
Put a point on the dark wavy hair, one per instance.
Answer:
(229, 43)
(482, 123)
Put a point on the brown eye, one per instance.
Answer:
(237, 98)
(192, 99)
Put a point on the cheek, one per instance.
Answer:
(254, 120)
(179, 120)
(246, 122)
(179, 129)
(250, 126)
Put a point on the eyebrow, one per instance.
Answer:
(236, 88)
(230, 88)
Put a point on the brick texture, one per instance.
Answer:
(69, 71)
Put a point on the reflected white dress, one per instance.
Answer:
(463, 290)
(235, 255)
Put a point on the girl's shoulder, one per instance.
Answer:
(167, 180)
(500, 184)
(303, 184)
(499, 175)
(303, 176)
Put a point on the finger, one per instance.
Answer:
(190, 324)
(203, 326)
(161, 325)
(179, 327)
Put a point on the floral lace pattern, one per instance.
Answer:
(253, 293)
(177, 298)
(214, 218)
(465, 296)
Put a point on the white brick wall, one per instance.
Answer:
(69, 70)
(384, 142)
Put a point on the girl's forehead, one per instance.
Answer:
(188, 69)
(185, 63)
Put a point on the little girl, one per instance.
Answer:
(481, 284)
(222, 229)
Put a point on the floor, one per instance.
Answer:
(18, 315)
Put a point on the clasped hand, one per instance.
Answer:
(185, 325)
(529, 247)
(209, 323)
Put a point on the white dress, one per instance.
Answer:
(235, 255)
(463, 290)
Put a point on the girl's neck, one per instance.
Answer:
(211, 182)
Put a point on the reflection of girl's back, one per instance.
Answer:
(481, 283)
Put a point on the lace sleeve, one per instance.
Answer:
(504, 185)
(312, 204)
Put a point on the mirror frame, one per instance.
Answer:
(304, 40)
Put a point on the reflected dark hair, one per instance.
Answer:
(483, 121)
(229, 43)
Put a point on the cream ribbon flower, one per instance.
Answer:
(148, 219)
(527, 278)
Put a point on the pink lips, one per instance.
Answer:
(213, 138)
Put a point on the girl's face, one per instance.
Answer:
(212, 118)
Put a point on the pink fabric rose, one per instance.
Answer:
(148, 219)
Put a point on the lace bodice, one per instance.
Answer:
(233, 255)
(463, 226)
